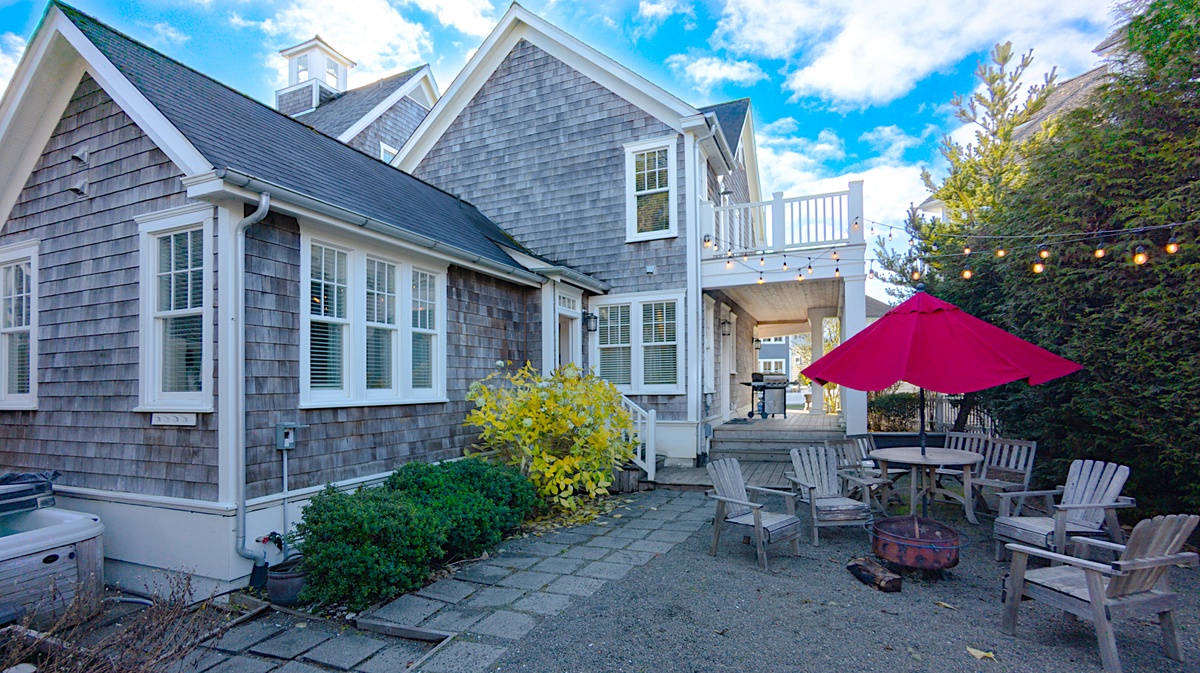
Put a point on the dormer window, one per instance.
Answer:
(302, 68)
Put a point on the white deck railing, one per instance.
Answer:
(644, 454)
(788, 223)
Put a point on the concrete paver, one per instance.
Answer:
(297, 667)
(345, 651)
(543, 603)
(633, 558)
(541, 548)
(246, 635)
(528, 579)
(609, 542)
(243, 664)
(575, 586)
(396, 657)
(586, 553)
(292, 642)
(463, 657)
(668, 536)
(494, 597)
(652, 546)
(456, 620)
(516, 562)
(558, 566)
(605, 570)
(504, 624)
(484, 573)
(408, 610)
(450, 591)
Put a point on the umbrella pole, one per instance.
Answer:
(921, 434)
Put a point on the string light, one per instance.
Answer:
(967, 249)
(835, 256)
(1173, 246)
(760, 279)
(729, 264)
(916, 275)
(1038, 267)
(1100, 251)
(730, 253)
(1139, 256)
(1044, 251)
(1000, 252)
(967, 273)
(745, 257)
(799, 277)
(889, 234)
(810, 266)
(873, 231)
(762, 261)
(837, 272)
(785, 263)
(707, 241)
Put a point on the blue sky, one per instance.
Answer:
(842, 89)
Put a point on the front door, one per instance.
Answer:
(569, 342)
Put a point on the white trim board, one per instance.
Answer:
(40, 90)
(521, 24)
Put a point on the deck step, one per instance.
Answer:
(744, 435)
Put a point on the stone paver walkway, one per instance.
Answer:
(490, 604)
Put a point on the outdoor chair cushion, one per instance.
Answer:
(1037, 530)
(775, 526)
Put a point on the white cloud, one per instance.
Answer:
(166, 34)
(890, 142)
(861, 52)
(471, 17)
(706, 72)
(371, 32)
(652, 13)
(11, 48)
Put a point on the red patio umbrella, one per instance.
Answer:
(935, 345)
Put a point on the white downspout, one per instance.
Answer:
(238, 384)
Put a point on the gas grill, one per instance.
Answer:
(771, 391)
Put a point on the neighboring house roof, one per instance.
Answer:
(876, 308)
(731, 116)
(336, 115)
(1067, 95)
(235, 132)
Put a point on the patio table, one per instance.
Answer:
(922, 470)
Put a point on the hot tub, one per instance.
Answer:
(48, 557)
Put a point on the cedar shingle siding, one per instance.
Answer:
(540, 151)
(487, 320)
(392, 127)
(88, 314)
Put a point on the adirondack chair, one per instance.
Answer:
(866, 444)
(1087, 507)
(851, 464)
(1007, 466)
(1136, 584)
(736, 508)
(963, 441)
(816, 481)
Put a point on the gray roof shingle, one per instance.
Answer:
(335, 116)
(233, 131)
(732, 117)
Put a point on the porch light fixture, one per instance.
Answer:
(726, 328)
(1172, 246)
(1139, 256)
(1044, 252)
(708, 241)
(757, 344)
(591, 322)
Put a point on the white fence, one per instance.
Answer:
(784, 224)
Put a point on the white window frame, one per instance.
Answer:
(782, 362)
(150, 228)
(710, 341)
(355, 392)
(386, 149)
(632, 235)
(12, 254)
(635, 301)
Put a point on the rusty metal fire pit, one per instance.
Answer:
(916, 542)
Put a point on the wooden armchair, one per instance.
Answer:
(1007, 466)
(735, 507)
(1136, 584)
(963, 441)
(856, 475)
(1087, 507)
(816, 481)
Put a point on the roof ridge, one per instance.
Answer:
(68, 9)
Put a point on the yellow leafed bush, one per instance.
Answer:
(564, 432)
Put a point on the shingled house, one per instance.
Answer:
(189, 275)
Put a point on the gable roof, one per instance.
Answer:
(237, 133)
(1067, 96)
(731, 116)
(335, 116)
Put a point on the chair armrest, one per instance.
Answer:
(1063, 558)
(735, 501)
(772, 491)
(1094, 505)
(1096, 542)
(870, 481)
(1183, 559)
(1008, 495)
(797, 482)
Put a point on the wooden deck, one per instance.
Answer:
(765, 474)
(801, 421)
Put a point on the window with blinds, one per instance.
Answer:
(381, 324)
(652, 190)
(424, 328)
(616, 347)
(329, 288)
(179, 306)
(659, 354)
(16, 313)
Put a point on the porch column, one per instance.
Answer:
(816, 322)
(854, 320)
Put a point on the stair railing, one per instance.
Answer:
(644, 454)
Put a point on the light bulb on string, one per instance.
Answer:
(916, 275)
(889, 234)
(745, 257)
(762, 261)
(799, 277)
(967, 273)
(911, 242)
(835, 256)
(785, 268)
(1139, 256)
(837, 272)
(967, 249)
(872, 231)
(760, 279)
(1001, 252)
(1038, 266)
(1172, 246)
(730, 253)
(729, 264)
(1044, 251)
(810, 266)
(1100, 251)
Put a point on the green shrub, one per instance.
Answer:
(565, 432)
(513, 494)
(472, 519)
(366, 546)
(892, 412)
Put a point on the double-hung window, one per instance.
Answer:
(650, 189)
(637, 344)
(176, 310)
(18, 326)
(372, 328)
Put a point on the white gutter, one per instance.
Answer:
(238, 384)
(351, 217)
